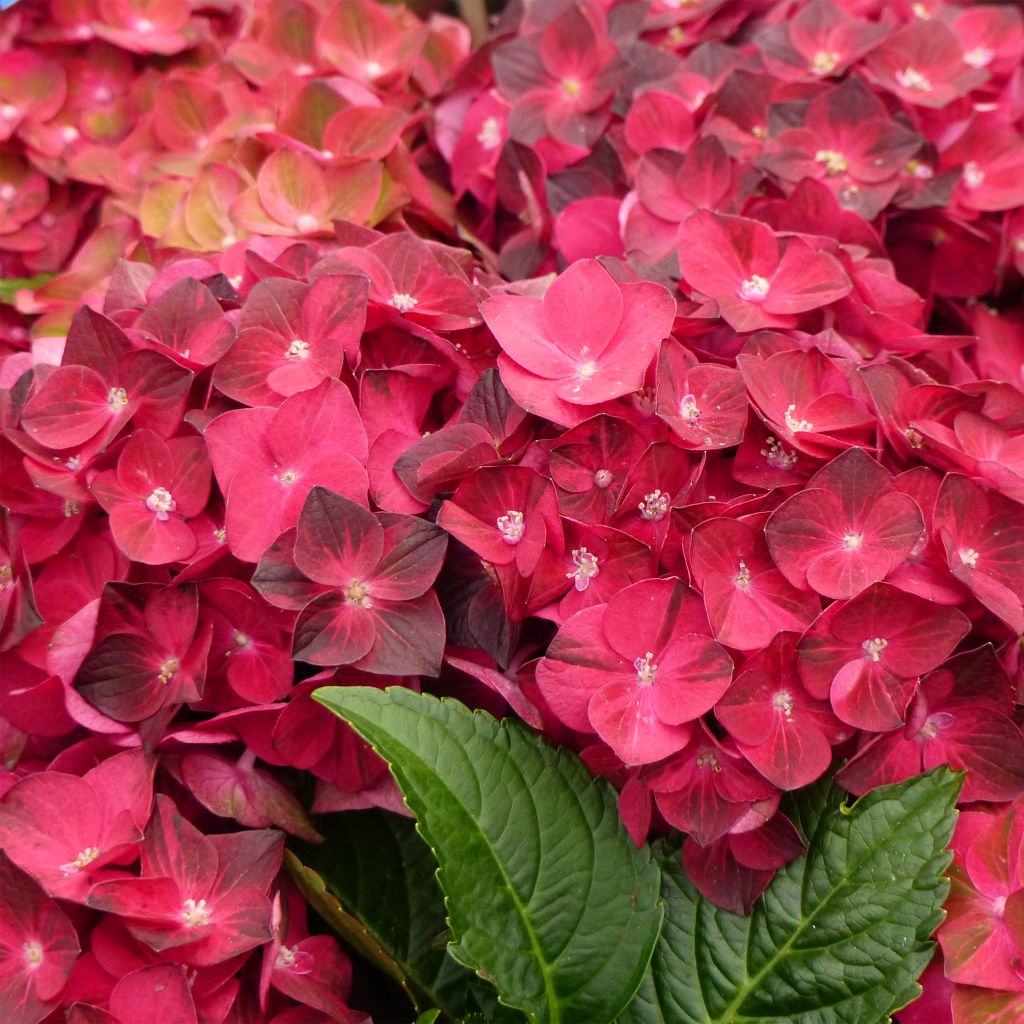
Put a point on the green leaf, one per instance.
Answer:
(840, 936)
(547, 896)
(373, 880)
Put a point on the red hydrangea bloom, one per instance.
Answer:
(362, 582)
(819, 41)
(923, 64)
(38, 946)
(757, 279)
(962, 716)
(982, 938)
(983, 536)
(556, 363)
(291, 336)
(103, 383)
(560, 81)
(158, 485)
(63, 829)
(850, 527)
(271, 459)
(868, 654)
(202, 897)
(704, 404)
(637, 670)
(708, 787)
(747, 599)
(779, 728)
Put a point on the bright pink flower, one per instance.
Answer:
(708, 787)
(103, 383)
(636, 671)
(821, 40)
(748, 600)
(270, 460)
(365, 582)
(983, 935)
(991, 157)
(38, 946)
(704, 404)
(249, 648)
(506, 515)
(850, 527)
(157, 487)
(868, 654)
(962, 715)
(63, 829)
(923, 64)
(782, 731)
(204, 898)
(983, 536)
(150, 652)
(553, 361)
(291, 336)
(560, 81)
(757, 279)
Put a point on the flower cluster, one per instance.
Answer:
(653, 374)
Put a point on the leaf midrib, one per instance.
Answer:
(730, 1014)
(554, 1016)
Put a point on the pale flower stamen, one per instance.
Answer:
(195, 913)
(33, 954)
(654, 506)
(83, 860)
(969, 557)
(117, 399)
(298, 349)
(511, 526)
(873, 648)
(358, 593)
(833, 161)
(646, 670)
(586, 568)
(911, 78)
(754, 288)
(403, 302)
(162, 503)
(689, 410)
(795, 423)
(824, 62)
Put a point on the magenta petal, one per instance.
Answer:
(332, 630)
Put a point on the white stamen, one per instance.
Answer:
(754, 288)
(795, 423)
(654, 506)
(646, 670)
(489, 135)
(873, 648)
(824, 62)
(358, 594)
(742, 577)
(974, 176)
(297, 350)
(911, 78)
(776, 456)
(783, 701)
(969, 557)
(403, 302)
(83, 860)
(979, 57)
(511, 526)
(586, 568)
(689, 410)
(117, 399)
(195, 913)
(33, 953)
(834, 161)
(853, 541)
(162, 503)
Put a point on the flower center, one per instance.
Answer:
(143, 25)
(873, 648)
(571, 87)
(824, 62)
(603, 478)
(162, 503)
(305, 223)
(969, 557)
(358, 594)
(776, 456)
(911, 78)
(71, 508)
(195, 913)
(403, 302)
(288, 477)
(298, 349)
(834, 161)
(241, 639)
(220, 535)
(754, 288)
(489, 135)
(654, 506)
(33, 954)
(795, 423)
(74, 463)
(689, 409)
(587, 370)
(979, 57)
(285, 958)
(511, 526)
(373, 68)
(853, 541)
(974, 176)
(919, 170)
(168, 670)
(9, 111)
(646, 670)
(742, 577)
(707, 759)
(783, 701)
(117, 399)
(83, 860)
(586, 568)
(999, 906)
(7, 192)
